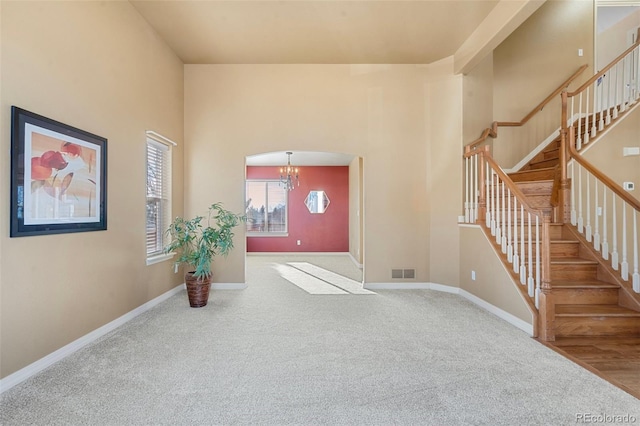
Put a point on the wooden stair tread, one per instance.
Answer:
(572, 260)
(594, 310)
(559, 284)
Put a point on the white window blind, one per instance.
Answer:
(158, 196)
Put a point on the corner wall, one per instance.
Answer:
(97, 66)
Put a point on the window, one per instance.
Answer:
(266, 208)
(158, 198)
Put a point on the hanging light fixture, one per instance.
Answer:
(288, 174)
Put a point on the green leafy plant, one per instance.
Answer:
(196, 244)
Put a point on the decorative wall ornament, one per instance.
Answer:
(58, 177)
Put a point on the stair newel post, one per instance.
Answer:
(546, 310)
(482, 198)
(564, 202)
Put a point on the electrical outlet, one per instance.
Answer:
(628, 186)
(473, 275)
(580, 52)
(298, 242)
(599, 211)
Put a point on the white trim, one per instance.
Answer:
(468, 225)
(159, 138)
(397, 286)
(533, 153)
(504, 315)
(602, 134)
(228, 286)
(511, 319)
(358, 264)
(297, 253)
(36, 367)
(159, 258)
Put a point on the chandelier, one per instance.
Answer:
(289, 174)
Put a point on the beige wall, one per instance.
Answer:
(375, 112)
(444, 132)
(606, 153)
(493, 283)
(530, 64)
(613, 41)
(355, 209)
(99, 67)
(478, 100)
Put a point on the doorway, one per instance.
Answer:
(306, 207)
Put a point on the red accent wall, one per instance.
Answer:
(326, 232)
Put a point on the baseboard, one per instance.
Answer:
(511, 319)
(534, 152)
(358, 264)
(34, 368)
(396, 286)
(504, 315)
(298, 253)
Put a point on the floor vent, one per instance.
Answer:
(403, 273)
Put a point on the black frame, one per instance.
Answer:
(20, 118)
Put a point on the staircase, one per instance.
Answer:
(588, 298)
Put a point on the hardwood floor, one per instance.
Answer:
(615, 359)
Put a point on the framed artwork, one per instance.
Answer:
(58, 177)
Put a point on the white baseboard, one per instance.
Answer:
(34, 368)
(358, 264)
(511, 319)
(533, 153)
(396, 286)
(297, 253)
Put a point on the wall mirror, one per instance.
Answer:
(317, 201)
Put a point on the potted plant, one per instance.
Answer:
(196, 244)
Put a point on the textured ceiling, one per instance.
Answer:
(314, 32)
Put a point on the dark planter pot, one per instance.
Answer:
(197, 290)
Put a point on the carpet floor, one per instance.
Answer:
(274, 354)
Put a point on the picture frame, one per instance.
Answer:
(58, 177)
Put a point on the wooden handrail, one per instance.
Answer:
(544, 103)
(489, 131)
(613, 186)
(522, 199)
(607, 68)
(493, 130)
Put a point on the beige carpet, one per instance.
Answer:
(274, 354)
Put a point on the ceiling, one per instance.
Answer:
(314, 32)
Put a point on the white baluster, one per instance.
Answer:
(503, 241)
(607, 119)
(587, 117)
(636, 275)
(509, 247)
(466, 190)
(596, 213)
(516, 258)
(623, 106)
(574, 219)
(579, 136)
(488, 197)
(587, 229)
(605, 224)
(616, 88)
(523, 269)
(530, 281)
(624, 265)
(492, 200)
(614, 252)
(537, 293)
(601, 102)
(498, 227)
(580, 219)
(476, 193)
